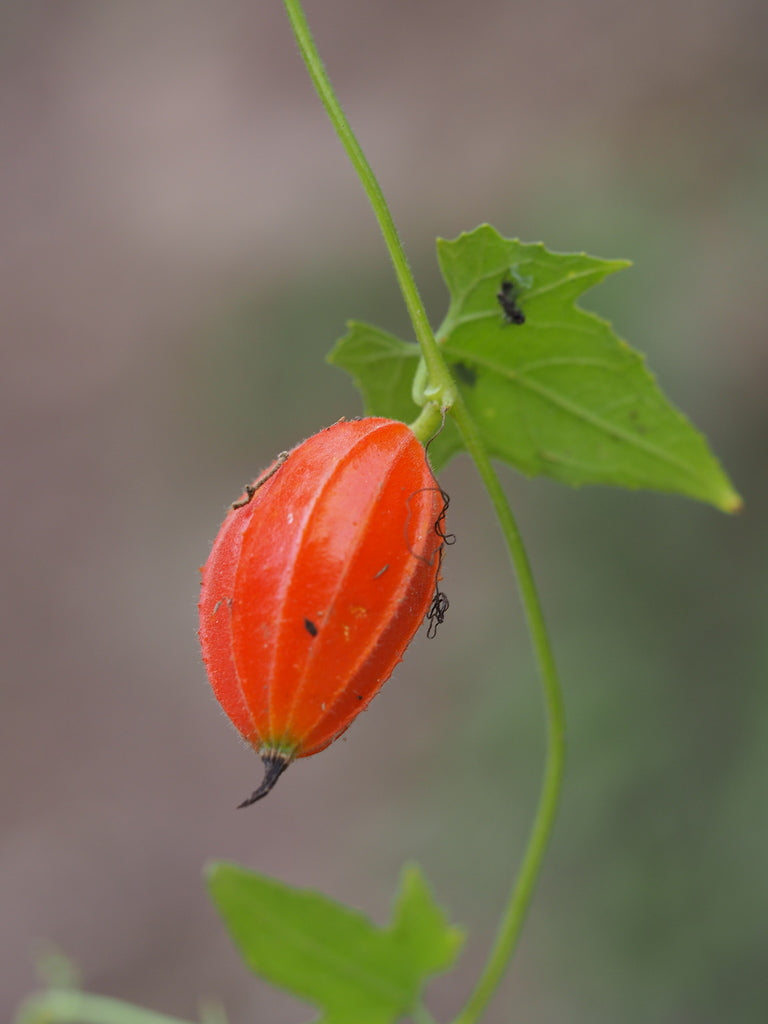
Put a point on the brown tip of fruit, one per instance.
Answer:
(274, 766)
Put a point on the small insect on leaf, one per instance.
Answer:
(507, 298)
(319, 577)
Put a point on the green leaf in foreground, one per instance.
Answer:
(559, 395)
(330, 955)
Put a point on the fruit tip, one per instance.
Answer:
(275, 764)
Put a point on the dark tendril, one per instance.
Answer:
(447, 538)
(436, 613)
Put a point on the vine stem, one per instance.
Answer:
(441, 395)
(68, 1006)
(519, 900)
(439, 377)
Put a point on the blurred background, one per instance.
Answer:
(182, 241)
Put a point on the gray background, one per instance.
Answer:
(182, 240)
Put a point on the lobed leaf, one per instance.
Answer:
(559, 395)
(330, 955)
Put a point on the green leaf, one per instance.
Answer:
(420, 929)
(330, 955)
(560, 395)
(382, 367)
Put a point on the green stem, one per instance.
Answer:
(440, 395)
(441, 387)
(68, 1006)
(428, 422)
(522, 891)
